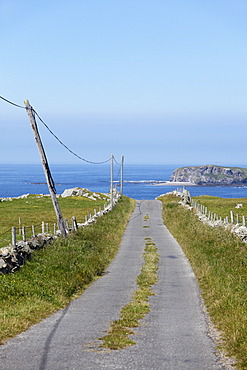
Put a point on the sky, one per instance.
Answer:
(158, 81)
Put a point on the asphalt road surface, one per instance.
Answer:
(174, 335)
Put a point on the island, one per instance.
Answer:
(210, 175)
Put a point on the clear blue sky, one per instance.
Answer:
(160, 81)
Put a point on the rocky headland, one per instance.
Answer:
(210, 175)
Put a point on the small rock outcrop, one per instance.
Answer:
(82, 192)
(210, 175)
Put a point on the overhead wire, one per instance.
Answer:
(55, 136)
(10, 102)
(65, 146)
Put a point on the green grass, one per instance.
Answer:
(223, 206)
(133, 312)
(34, 210)
(219, 260)
(57, 274)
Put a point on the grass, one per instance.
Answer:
(59, 273)
(131, 314)
(219, 260)
(35, 209)
(221, 206)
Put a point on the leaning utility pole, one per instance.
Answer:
(50, 182)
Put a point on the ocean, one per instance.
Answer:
(140, 181)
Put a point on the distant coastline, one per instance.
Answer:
(175, 183)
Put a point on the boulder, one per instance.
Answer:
(74, 192)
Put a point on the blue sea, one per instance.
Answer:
(140, 181)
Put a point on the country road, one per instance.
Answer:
(174, 335)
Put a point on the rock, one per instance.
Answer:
(74, 192)
(210, 175)
(24, 196)
(3, 264)
(240, 205)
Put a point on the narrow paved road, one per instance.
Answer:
(173, 335)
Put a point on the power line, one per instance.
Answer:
(55, 136)
(65, 146)
(116, 161)
(10, 102)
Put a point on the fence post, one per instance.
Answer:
(232, 217)
(237, 217)
(13, 236)
(19, 226)
(244, 223)
(23, 230)
(74, 223)
(33, 230)
(55, 228)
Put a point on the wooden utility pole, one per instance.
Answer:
(111, 187)
(121, 180)
(46, 168)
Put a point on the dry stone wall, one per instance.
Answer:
(13, 257)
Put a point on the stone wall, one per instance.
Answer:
(13, 257)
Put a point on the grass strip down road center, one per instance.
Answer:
(133, 312)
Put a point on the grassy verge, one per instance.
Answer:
(133, 312)
(57, 274)
(219, 261)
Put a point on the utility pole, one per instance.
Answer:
(111, 187)
(46, 168)
(121, 179)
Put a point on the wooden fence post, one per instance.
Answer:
(74, 223)
(13, 236)
(43, 227)
(33, 230)
(19, 226)
(244, 221)
(232, 217)
(23, 230)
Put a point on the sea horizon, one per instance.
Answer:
(140, 181)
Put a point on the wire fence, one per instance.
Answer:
(233, 218)
(24, 232)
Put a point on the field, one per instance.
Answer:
(223, 206)
(219, 260)
(35, 209)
